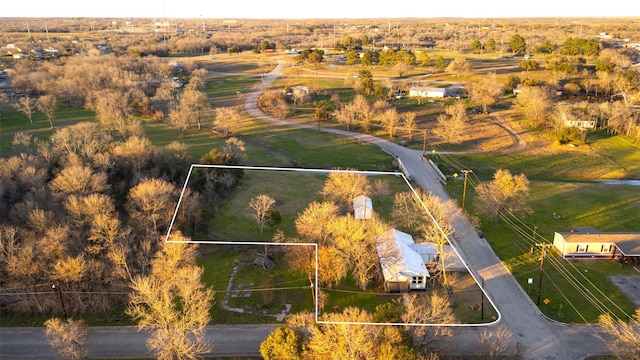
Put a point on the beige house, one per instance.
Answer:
(590, 243)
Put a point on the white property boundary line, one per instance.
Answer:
(315, 245)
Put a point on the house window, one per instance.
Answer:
(416, 280)
(582, 248)
(606, 248)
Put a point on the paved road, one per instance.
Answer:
(534, 336)
(126, 342)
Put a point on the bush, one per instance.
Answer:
(571, 135)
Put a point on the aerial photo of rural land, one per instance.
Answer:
(344, 181)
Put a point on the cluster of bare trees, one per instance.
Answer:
(87, 213)
(351, 335)
(360, 112)
(117, 88)
(350, 246)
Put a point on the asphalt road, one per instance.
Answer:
(534, 336)
(123, 342)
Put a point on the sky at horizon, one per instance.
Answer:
(297, 9)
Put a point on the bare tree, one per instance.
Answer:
(273, 102)
(112, 109)
(47, 105)
(78, 180)
(625, 336)
(452, 125)
(262, 204)
(26, 105)
(339, 338)
(390, 120)
(344, 185)
(409, 124)
(506, 193)
(180, 118)
(495, 342)
(282, 344)
(67, 337)
(431, 309)
(234, 147)
(173, 304)
(355, 243)
(486, 91)
(313, 223)
(458, 66)
(151, 203)
(226, 121)
(196, 101)
(346, 115)
(535, 102)
(363, 111)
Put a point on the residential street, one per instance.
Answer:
(127, 342)
(534, 336)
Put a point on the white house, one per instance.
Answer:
(402, 266)
(362, 207)
(417, 91)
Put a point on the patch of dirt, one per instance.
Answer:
(629, 285)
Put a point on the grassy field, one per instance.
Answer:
(14, 121)
(606, 207)
(293, 191)
(561, 182)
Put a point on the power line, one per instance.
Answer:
(524, 231)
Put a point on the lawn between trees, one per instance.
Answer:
(272, 289)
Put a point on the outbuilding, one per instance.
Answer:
(362, 208)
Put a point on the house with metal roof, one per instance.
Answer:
(403, 266)
(362, 207)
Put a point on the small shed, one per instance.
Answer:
(417, 91)
(362, 207)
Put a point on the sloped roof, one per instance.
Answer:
(627, 242)
(362, 207)
(397, 257)
(428, 89)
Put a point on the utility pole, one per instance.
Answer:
(544, 251)
(464, 187)
(64, 310)
(424, 141)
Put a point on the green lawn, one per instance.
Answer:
(14, 121)
(606, 207)
(561, 182)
